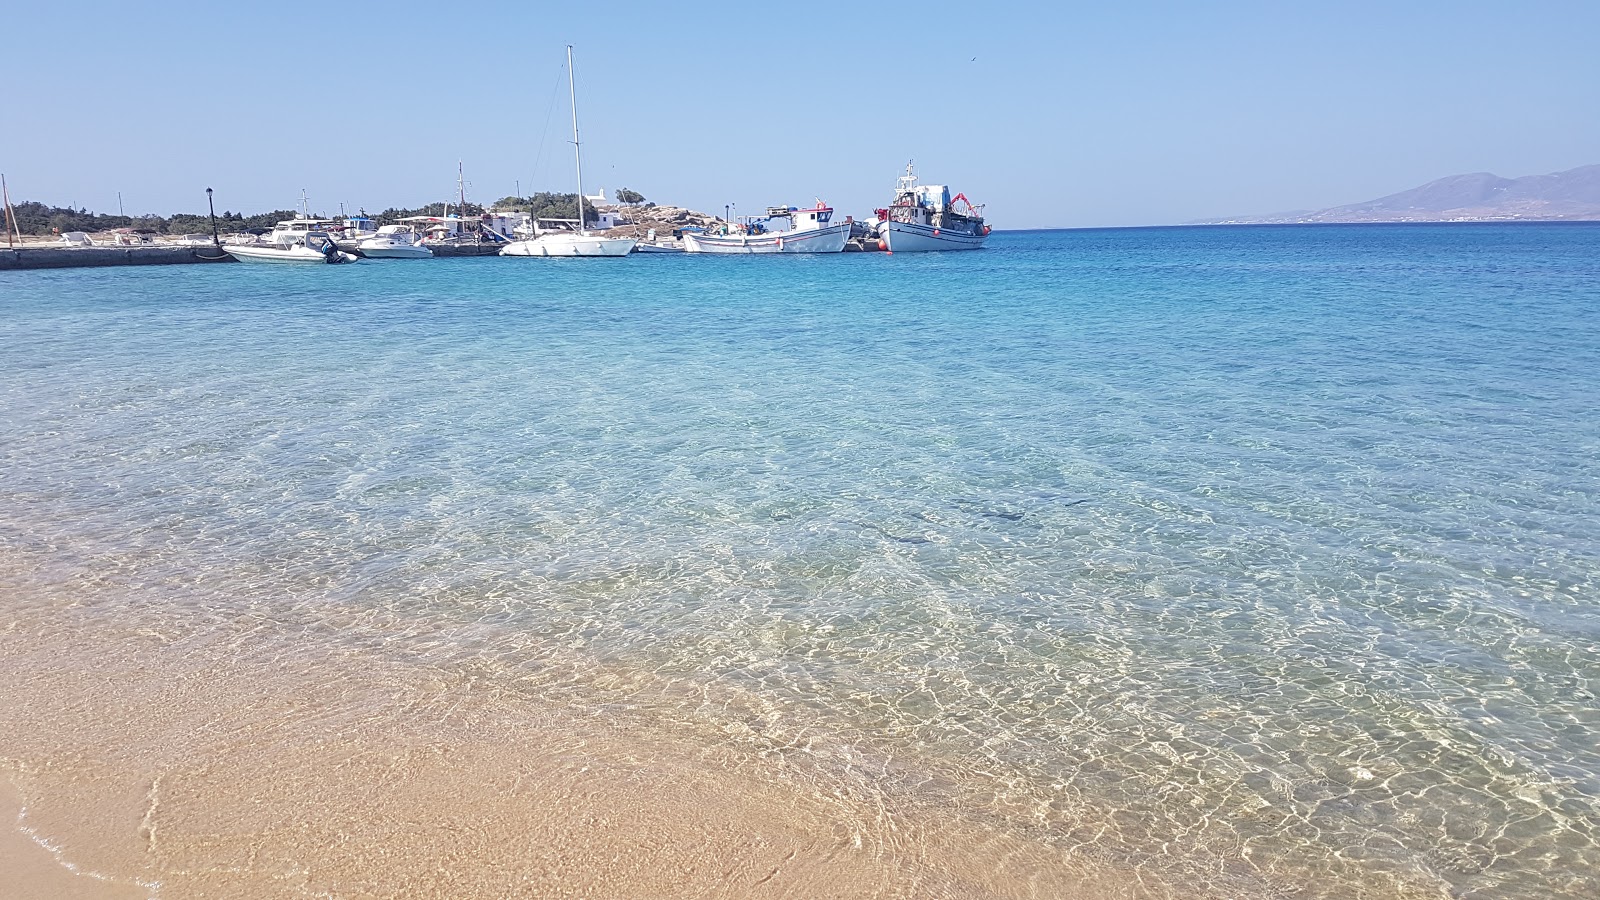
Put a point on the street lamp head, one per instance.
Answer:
(208, 190)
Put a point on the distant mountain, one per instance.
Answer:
(1573, 195)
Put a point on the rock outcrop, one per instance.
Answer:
(663, 219)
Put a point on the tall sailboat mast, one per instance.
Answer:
(577, 147)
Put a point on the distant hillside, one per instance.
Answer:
(1573, 195)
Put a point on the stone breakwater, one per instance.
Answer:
(92, 257)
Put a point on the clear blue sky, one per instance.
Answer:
(1055, 114)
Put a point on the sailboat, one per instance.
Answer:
(571, 243)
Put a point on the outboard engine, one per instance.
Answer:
(331, 253)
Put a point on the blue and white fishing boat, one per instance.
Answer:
(809, 231)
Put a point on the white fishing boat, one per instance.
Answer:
(394, 242)
(808, 231)
(571, 243)
(315, 247)
(926, 218)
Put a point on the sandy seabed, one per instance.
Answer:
(135, 763)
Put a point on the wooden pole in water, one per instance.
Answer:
(11, 217)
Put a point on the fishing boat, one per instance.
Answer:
(924, 217)
(314, 247)
(571, 243)
(808, 231)
(394, 242)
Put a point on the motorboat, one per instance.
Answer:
(314, 247)
(653, 244)
(579, 242)
(394, 242)
(352, 230)
(808, 231)
(924, 217)
(290, 231)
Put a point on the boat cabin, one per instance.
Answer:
(357, 226)
(296, 230)
(797, 219)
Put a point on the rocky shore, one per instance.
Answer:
(663, 219)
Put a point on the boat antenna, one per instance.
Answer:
(305, 207)
(577, 146)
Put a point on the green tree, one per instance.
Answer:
(629, 196)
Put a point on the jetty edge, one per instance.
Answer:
(47, 257)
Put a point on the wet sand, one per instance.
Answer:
(138, 764)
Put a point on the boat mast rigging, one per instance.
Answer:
(577, 146)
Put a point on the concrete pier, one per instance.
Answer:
(95, 257)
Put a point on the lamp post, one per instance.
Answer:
(213, 207)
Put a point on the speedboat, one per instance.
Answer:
(315, 247)
(394, 242)
(925, 217)
(571, 243)
(808, 231)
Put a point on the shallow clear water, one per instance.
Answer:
(1264, 558)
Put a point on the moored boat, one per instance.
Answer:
(315, 247)
(653, 244)
(394, 242)
(571, 243)
(808, 231)
(926, 218)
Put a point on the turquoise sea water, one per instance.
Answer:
(1264, 559)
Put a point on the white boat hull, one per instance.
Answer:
(398, 251)
(817, 240)
(570, 245)
(291, 255)
(903, 237)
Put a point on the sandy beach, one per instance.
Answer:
(143, 763)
